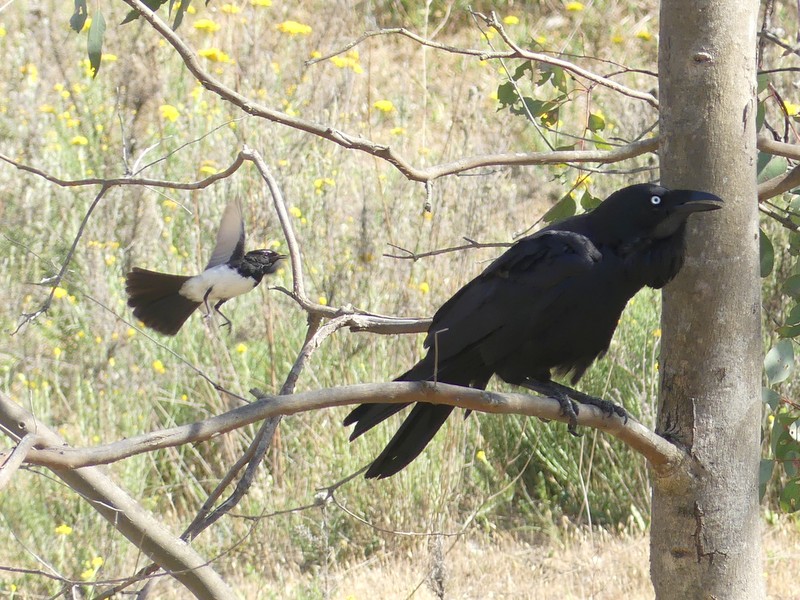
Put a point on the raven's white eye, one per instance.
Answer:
(655, 200)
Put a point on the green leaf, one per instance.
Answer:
(559, 79)
(788, 331)
(790, 496)
(589, 202)
(771, 398)
(94, 41)
(792, 286)
(560, 210)
(78, 18)
(779, 362)
(600, 143)
(596, 122)
(793, 318)
(521, 70)
(775, 166)
(767, 253)
(153, 5)
(179, 14)
(763, 81)
(765, 470)
(760, 115)
(507, 94)
(794, 431)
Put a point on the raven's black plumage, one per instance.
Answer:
(550, 304)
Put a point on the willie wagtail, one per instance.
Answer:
(163, 302)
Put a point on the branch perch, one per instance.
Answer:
(118, 508)
(663, 455)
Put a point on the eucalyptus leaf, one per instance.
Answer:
(560, 210)
(78, 18)
(94, 41)
(779, 362)
(767, 253)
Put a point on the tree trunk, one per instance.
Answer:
(705, 540)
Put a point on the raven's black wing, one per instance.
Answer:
(469, 334)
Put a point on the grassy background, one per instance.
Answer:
(85, 368)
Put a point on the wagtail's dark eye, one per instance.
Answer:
(655, 200)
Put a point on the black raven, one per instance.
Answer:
(550, 303)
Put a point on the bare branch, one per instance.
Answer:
(776, 148)
(483, 54)
(661, 453)
(119, 509)
(780, 184)
(386, 153)
(120, 181)
(15, 458)
(470, 245)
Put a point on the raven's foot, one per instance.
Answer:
(570, 410)
(569, 400)
(608, 407)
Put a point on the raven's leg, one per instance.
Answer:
(227, 320)
(567, 398)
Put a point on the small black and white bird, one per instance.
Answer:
(163, 301)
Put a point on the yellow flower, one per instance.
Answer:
(791, 109)
(79, 140)
(97, 562)
(57, 351)
(230, 9)
(130, 332)
(384, 106)
(574, 6)
(31, 70)
(480, 455)
(63, 529)
(316, 54)
(295, 212)
(87, 574)
(644, 35)
(206, 25)
(59, 293)
(511, 20)
(169, 112)
(424, 287)
(398, 131)
(110, 259)
(322, 300)
(348, 61)
(169, 204)
(215, 55)
(241, 348)
(108, 57)
(617, 39)
(208, 170)
(261, 2)
(158, 367)
(657, 332)
(47, 108)
(2, 31)
(293, 28)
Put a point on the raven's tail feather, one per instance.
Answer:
(417, 430)
(414, 434)
(156, 299)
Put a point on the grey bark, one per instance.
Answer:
(705, 539)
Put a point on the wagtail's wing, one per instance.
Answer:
(230, 237)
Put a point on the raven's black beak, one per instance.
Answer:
(694, 201)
